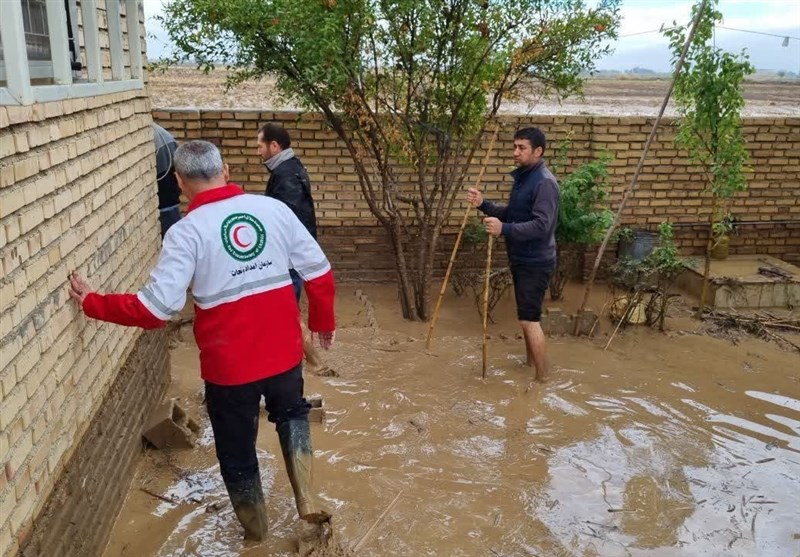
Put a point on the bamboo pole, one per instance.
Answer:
(486, 303)
(632, 185)
(458, 241)
(366, 536)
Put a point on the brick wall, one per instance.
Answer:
(77, 191)
(669, 187)
(78, 517)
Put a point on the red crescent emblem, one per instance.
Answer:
(236, 239)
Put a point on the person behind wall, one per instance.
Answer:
(528, 224)
(289, 183)
(236, 251)
(169, 202)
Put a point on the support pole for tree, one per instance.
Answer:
(458, 240)
(632, 185)
(486, 303)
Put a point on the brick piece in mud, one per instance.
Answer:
(317, 412)
(559, 323)
(170, 427)
(587, 321)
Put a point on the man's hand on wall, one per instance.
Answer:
(78, 288)
(325, 339)
(493, 226)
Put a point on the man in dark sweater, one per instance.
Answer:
(528, 223)
(288, 182)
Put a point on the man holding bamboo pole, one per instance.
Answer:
(528, 223)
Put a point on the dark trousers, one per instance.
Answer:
(297, 284)
(234, 410)
(168, 217)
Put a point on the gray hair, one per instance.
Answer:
(198, 160)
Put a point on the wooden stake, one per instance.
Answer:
(486, 303)
(632, 186)
(361, 542)
(458, 240)
(622, 319)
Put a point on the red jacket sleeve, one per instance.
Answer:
(122, 309)
(321, 292)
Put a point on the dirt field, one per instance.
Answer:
(670, 445)
(186, 87)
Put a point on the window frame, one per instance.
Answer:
(20, 91)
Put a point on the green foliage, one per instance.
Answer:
(408, 85)
(583, 213)
(708, 95)
(663, 260)
(723, 223)
(475, 232)
(624, 234)
(558, 162)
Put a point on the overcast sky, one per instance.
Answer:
(650, 50)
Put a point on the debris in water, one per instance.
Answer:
(325, 371)
(158, 496)
(218, 506)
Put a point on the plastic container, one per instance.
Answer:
(721, 248)
(638, 247)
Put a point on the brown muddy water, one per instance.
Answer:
(664, 445)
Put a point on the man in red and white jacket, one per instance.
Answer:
(235, 251)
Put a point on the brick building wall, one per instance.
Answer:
(77, 192)
(669, 187)
(83, 506)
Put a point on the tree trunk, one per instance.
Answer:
(421, 270)
(707, 269)
(430, 238)
(404, 284)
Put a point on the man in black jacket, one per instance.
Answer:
(288, 182)
(169, 202)
(528, 223)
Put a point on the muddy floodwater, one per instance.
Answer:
(662, 446)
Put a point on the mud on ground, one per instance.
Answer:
(664, 445)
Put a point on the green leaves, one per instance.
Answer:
(583, 213)
(408, 86)
(708, 94)
(664, 258)
(441, 65)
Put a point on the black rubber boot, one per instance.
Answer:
(247, 499)
(295, 438)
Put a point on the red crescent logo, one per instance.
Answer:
(236, 239)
